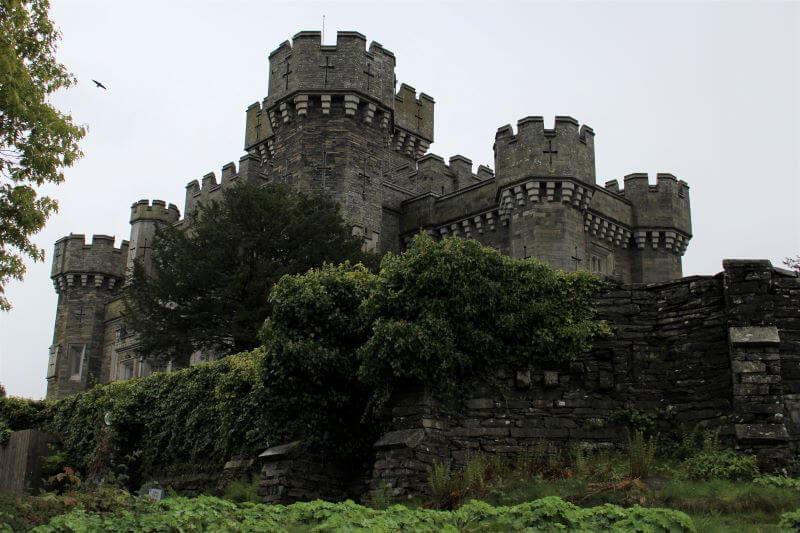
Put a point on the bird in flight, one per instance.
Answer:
(99, 85)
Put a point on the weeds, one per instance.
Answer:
(641, 454)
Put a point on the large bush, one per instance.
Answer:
(310, 369)
(446, 310)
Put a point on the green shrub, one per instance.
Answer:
(782, 482)
(310, 366)
(790, 520)
(725, 464)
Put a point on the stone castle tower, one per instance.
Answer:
(333, 120)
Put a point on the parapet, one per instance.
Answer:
(413, 114)
(306, 64)
(210, 190)
(434, 175)
(565, 151)
(158, 211)
(257, 125)
(663, 205)
(98, 264)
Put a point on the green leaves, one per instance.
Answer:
(36, 140)
(205, 513)
(445, 311)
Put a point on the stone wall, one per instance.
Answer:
(717, 351)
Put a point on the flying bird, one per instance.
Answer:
(99, 85)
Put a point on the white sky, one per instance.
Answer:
(707, 91)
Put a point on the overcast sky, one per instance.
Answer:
(706, 91)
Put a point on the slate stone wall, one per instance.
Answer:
(717, 351)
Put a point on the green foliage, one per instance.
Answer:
(243, 490)
(449, 309)
(211, 514)
(217, 276)
(725, 464)
(782, 482)
(641, 454)
(310, 369)
(790, 520)
(36, 140)
(203, 415)
(441, 483)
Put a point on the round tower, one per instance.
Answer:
(86, 277)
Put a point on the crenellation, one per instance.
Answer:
(566, 151)
(158, 210)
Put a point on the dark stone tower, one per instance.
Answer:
(332, 122)
(86, 278)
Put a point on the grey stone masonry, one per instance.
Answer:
(335, 121)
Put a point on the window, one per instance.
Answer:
(125, 370)
(76, 355)
(52, 362)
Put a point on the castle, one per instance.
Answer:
(334, 121)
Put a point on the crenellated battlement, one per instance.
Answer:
(306, 64)
(434, 175)
(258, 127)
(415, 115)
(197, 193)
(566, 150)
(157, 210)
(97, 264)
(664, 205)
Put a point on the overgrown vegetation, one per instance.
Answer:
(206, 513)
(203, 414)
(338, 340)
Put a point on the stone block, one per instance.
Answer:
(761, 432)
(550, 378)
(480, 403)
(754, 335)
(409, 438)
(748, 366)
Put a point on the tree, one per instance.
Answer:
(36, 141)
(792, 263)
(208, 286)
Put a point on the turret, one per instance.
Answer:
(566, 151)
(661, 224)
(349, 78)
(86, 277)
(146, 218)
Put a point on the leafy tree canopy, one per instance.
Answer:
(208, 286)
(36, 141)
(446, 310)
